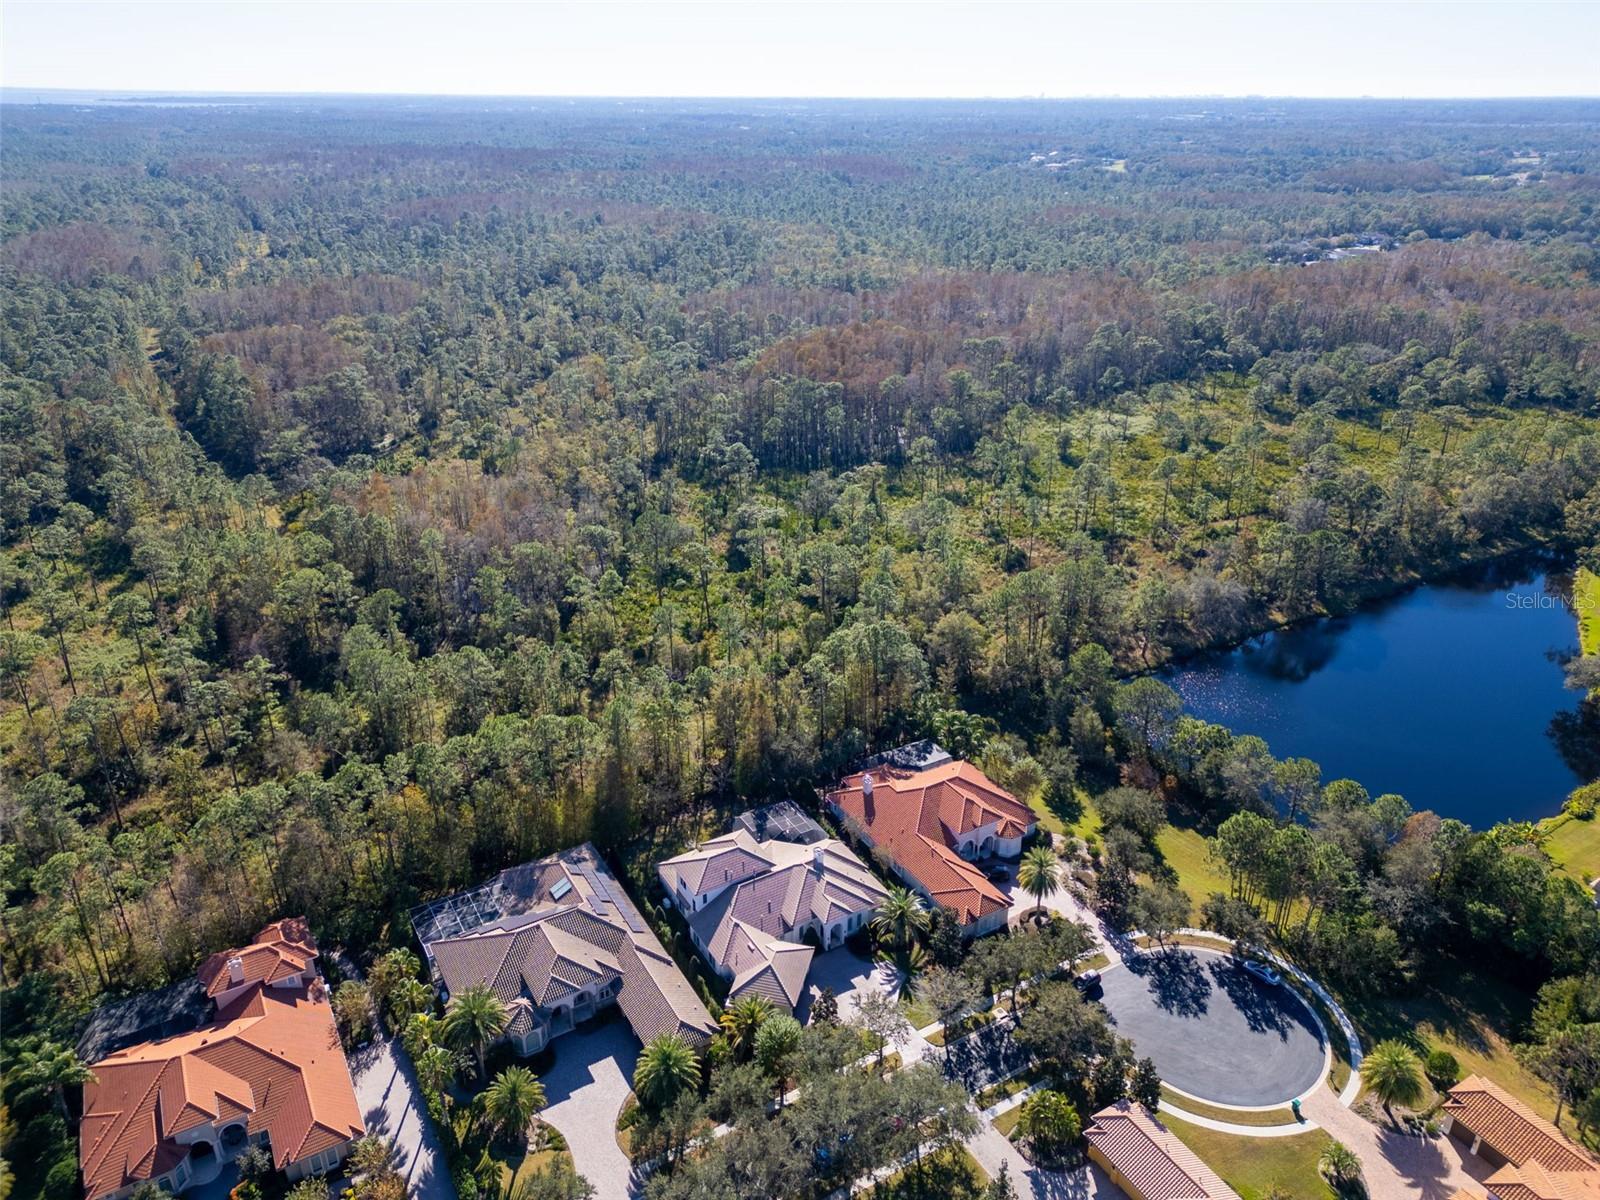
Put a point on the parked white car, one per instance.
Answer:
(1263, 972)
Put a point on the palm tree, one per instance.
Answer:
(421, 1032)
(742, 1020)
(52, 1068)
(775, 1048)
(370, 1154)
(474, 1019)
(437, 1068)
(1039, 873)
(1339, 1164)
(909, 965)
(667, 1068)
(1050, 1121)
(1394, 1073)
(900, 918)
(511, 1101)
(408, 998)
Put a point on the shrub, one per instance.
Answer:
(1583, 801)
(1442, 1068)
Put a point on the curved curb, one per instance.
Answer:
(1255, 1131)
(1352, 1087)
(1327, 1054)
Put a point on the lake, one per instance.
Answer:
(1450, 694)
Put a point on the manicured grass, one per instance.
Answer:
(1059, 820)
(1586, 599)
(1575, 845)
(516, 1165)
(1274, 1116)
(1473, 1015)
(997, 1092)
(1186, 852)
(919, 1014)
(1006, 1123)
(1252, 1165)
(949, 1175)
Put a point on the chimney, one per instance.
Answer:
(816, 859)
(866, 785)
(236, 969)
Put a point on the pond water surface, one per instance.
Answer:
(1451, 695)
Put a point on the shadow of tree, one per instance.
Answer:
(1175, 980)
(1262, 1012)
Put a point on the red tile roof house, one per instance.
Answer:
(930, 824)
(268, 1069)
(751, 906)
(558, 940)
(1536, 1160)
(1147, 1160)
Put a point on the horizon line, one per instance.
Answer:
(159, 92)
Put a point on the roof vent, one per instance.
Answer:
(236, 969)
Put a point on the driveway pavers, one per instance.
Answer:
(585, 1090)
(392, 1107)
(846, 972)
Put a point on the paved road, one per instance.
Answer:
(982, 1058)
(585, 1091)
(1213, 1029)
(392, 1107)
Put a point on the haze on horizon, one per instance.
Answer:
(788, 49)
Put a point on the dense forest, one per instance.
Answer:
(391, 492)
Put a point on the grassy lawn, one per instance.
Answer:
(919, 1014)
(517, 1165)
(1474, 1016)
(1185, 851)
(1053, 820)
(1275, 1116)
(997, 1092)
(950, 1175)
(1575, 845)
(1007, 1121)
(1252, 1165)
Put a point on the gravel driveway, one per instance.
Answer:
(391, 1105)
(585, 1091)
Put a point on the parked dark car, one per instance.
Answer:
(998, 874)
(1088, 983)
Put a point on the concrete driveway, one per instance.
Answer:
(391, 1105)
(847, 973)
(585, 1091)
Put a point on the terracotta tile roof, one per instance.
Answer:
(560, 924)
(743, 929)
(281, 951)
(1512, 1129)
(272, 1057)
(1531, 1181)
(917, 817)
(1151, 1157)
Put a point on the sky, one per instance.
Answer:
(789, 48)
